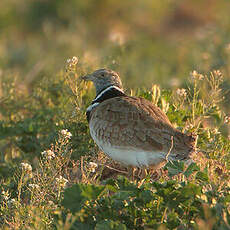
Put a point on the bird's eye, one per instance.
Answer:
(102, 74)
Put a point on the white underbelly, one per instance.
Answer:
(137, 158)
(130, 156)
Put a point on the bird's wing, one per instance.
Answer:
(130, 121)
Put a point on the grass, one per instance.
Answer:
(72, 185)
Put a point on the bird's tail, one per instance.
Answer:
(191, 143)
(185, 147)
(193, 137)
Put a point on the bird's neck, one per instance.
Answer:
(105, 94)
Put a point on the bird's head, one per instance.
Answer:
(103, 78)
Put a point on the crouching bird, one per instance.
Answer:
(132, 130)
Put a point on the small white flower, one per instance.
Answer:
(50, 202)
(66, 133)
(5, 195)
(26, 167)
(34, 186)
(92, 166)
(74, 60)
(71, 64)
(196, 76)
(217, 73)
(181, 92)
(48, 154)
(227, 120)
(61, 181)
(215, 131)
(63, 131)
(11, 202)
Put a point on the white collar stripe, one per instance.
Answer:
(107, 89)
(92, 106)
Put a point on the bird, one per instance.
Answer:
(132, 130)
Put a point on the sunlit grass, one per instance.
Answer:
(32, 194)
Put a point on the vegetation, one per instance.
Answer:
(52, 175)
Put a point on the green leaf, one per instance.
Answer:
(124, 184)
(123, 195)
(31, 128)
(110, 224)
(91, 192)
(111, 185)
(227, 199)
(175, 167)
(193, 167)
(75, 196)
(146, 196)
(202, 176)
(191, 190)
(82, 226)
(173, 220)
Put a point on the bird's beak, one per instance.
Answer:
(88, 77)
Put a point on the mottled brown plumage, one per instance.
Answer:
(133, 130)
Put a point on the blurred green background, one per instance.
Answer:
(145, 41)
